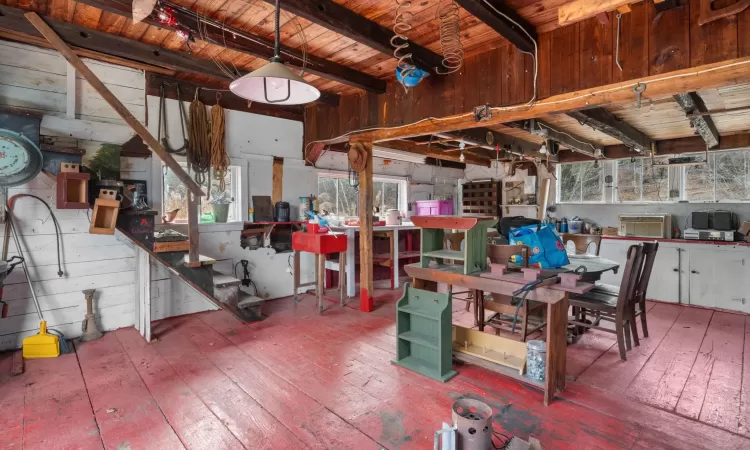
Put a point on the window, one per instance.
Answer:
(725, 178)
(638, 180)
(580, 183)
(175, 196)
(337, 196)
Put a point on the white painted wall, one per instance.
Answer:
(36, 79)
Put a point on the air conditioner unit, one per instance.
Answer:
(647, 226)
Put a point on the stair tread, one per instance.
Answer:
(225, 280)
(248, 297)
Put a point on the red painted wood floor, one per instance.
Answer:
(303, 380)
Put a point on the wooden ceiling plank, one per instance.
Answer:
(256, 47)
(703, 124)
(521, 33)
(336, 17)
(579, 10)
(602, 120)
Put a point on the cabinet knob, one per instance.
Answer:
(694, 271)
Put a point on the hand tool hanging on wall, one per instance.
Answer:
(163, 123)
(199, 150)
(219, 158)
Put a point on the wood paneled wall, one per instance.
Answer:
(574, 57)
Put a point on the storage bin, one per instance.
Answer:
(434, 207)
(536, 359)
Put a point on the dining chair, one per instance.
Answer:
(453, 241)
(582, 242)
(612, 308)
(504, 312)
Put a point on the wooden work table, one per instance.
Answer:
(557, 312)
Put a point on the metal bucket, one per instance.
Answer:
(473, 420)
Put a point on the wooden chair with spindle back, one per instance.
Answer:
(504, 312)
(582, 242)
(612, 308)
(453, 241)
(639, 299)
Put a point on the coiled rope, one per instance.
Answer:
(219, 158)
(450, 37)
(199, 150)
(400, 41)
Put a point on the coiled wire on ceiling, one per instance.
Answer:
(400, 41)
(450, 37)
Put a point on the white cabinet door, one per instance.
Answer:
(719, 278)
(665, 276)
(614, 250)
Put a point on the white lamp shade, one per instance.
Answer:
(275, 84)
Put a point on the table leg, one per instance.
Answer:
(557, 348)
(321, 279)
(342, 277)
(480, 310)
(395, 258)
(352, 266)
(296, 274)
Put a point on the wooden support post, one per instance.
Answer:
(278, 180)
(110, 98)
(143, 293)
(366, 289)
(70, 92)
(193, 235)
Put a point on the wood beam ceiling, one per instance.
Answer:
(701, 121)
(521, 33)
(604, 121)
(434, 152)
(693, 144)
(708, 76)
(249, 44)
(569, 140)
(336, 18)
(12, 19)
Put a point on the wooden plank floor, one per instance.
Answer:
(303, 380)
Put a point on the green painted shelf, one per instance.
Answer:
(423, 326)
(455, 255)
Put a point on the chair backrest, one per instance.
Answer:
(649, 255)
(500, 254)
(630, 276)
(583, 241)
(454, 240)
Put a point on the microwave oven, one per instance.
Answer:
(647, 226)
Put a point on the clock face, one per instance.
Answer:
(490, 138)
(13, 156)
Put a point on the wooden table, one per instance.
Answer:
(557, 312)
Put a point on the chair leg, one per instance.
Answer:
(626, 329)
(644, 324)
(620, 339)
(468, 303)
(634, 326)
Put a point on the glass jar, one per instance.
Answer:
(536, 359)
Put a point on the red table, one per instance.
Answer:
(319, 244)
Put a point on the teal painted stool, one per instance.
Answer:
(424, 333)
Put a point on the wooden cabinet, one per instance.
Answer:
(720, 278)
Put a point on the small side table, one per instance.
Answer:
(319, 244)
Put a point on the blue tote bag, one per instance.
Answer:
(547, 248)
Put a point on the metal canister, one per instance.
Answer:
(473, 421)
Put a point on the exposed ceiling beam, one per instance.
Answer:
(249, 44)
(707, 76)
(12, 19)
(482, 137)
(703, 124)
(435, 152)
(208, 97)
(336, 18)
(579, 10)
(569, 140)
(678, 146)
(503, 23)
(605, 122)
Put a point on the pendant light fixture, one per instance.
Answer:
(274, 83)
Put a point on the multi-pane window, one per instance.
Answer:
(638, 180)
(580, 183)
(337, 196)
(725, 178)
(175, 195)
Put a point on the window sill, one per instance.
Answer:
(219, 227)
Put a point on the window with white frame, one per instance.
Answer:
(336, 195)
(175, 195)
(580, 183)
(639, 180)
(725, 178)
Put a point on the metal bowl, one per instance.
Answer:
(20, 159)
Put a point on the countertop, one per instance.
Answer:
(677, 241)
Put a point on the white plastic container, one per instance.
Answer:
(575, 226)
(393, 217)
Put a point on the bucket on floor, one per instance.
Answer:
(473, 421)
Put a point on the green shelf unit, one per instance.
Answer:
(474, 254)
(424, 333)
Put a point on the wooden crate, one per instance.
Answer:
(496, 349)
